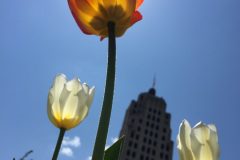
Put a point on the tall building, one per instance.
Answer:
(147, 129)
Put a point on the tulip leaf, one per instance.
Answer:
(113, 152)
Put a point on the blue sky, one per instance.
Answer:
(193, 48)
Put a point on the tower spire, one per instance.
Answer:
(154, 81)
(152, 89)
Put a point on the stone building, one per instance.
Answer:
(147, 129)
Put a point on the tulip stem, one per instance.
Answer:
(59, 143)
(98, 152)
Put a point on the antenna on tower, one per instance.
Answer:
(154, 81)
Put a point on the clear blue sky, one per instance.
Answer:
(193, 47)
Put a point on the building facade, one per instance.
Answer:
(147, 129)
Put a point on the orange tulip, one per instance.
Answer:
(92, 16)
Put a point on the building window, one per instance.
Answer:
(151, 133)
(149, 141)
(153, 118)
(162, 146)
(167, 148)
(159, 112)
(150, 109)
(167, 116)
(133, 120)
(137, 137)
(141, 157)
(164, 130)
(144, 139)
(153, 152)
(147, 123)
(128, 152)
(133, 154)
(156, 135)
(166, 157)
(154, 111)
(135, 145)
(138, 128)
(161, 155)
(155, 143)
(163, 138)
(152, 125)
(146, 131)
(132, 134)
(130, 143)
(143, 148)
(148, 150)
(158, 120)
(148, 116)
(140, 120)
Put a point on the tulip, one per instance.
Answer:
(68, 105)
(93, 16)
(198, 143)
(68, 102)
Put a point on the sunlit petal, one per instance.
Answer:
(70, 105)
(93, 16)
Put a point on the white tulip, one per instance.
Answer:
(69, 102)
(198, 143)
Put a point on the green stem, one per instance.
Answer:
(98, 152)
(59, 142)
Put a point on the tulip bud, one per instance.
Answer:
(198, 143)
(68, 102)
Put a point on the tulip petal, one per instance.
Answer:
(136, 16)
(73, 86)
(54, 108)
(90, 96)
(201, 135)
(82, 19)
(109, 3)
(82, 113)
(201, 132)
(127, 6)
(87, 6)
(213, 142)
(138, 3)
(58, 85)
(184, 140)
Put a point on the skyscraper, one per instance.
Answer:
(147, 129)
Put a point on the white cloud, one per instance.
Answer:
(74, 142)
(89, 158)
(67, 151)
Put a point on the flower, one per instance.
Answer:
(93, 16)
(198, 143)
(68, 102)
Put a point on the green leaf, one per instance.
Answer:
(113, 152)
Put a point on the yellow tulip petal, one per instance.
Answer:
(109, 3)
(126, 7)
(70, 108)
(82, 19)
(87, 6)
